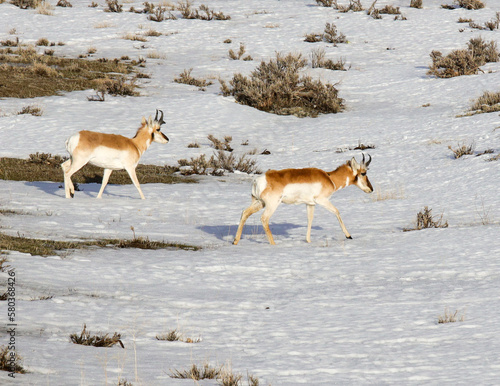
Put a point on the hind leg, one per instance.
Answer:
(272, 204)
(69, 168)
(253, 208)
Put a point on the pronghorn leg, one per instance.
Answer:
(329, 206)
(271, 206)
(133, 177)
(253, 208)
(70, 167)
(105, 179)
(310, 215)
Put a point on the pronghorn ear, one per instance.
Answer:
(144, 121)
(354, 164)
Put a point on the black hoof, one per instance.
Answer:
(350, 238)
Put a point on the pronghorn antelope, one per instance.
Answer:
(308, 186)
(111, 152)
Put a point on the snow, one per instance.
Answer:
(335, 311)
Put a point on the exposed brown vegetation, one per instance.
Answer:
(277, 87)
(98, 340)
(465, 61)
(46, 167)
(186, 78)
(426, 220)
(24, 73)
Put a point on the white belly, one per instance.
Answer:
(301, 193)
(109, 158)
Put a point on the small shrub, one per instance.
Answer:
(467, 4)
(218, 144)
(186, 78)
(34, 110)
(43, 42)
(218, 163)
(278, 88)
(202, 13)
(63, 3)
(10, 361)
(239, 55)
(487, 103)
(116, 87)
(25, 4)
(329, 35)
(113, 6)
(462, 150)
(464, 61)
(197, 373)
(426, 220)
(318, 61)
(416, 4)
(450, 318)
(175, 335)
(99, 340)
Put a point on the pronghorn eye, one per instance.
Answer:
(363, 174)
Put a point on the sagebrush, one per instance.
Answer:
(278, 87)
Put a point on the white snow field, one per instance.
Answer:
(336, 311)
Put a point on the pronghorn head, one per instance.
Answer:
(359, 170)
(154, 127)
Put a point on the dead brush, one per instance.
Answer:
(329, 35)
(277, 87)
(186, 78)
(224, 144)
(467, 4)
(462, 150)
(177, 336)
(426, 220)
(318, 60)
(449, 317)
(416, 4)
(489, 102)
(85, 338)
(239, 55)
(11, 361)
(465, 61)
(202, 13)
(218, 164)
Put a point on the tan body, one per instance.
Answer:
(111, 152)
(308, 186)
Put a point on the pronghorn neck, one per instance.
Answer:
(342, 177)
(143, 138)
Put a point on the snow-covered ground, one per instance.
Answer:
(335, 311)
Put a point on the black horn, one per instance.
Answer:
(160, 120)
(369, 160)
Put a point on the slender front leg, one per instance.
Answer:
(105, 179)
(310, 216)
(253, 208)
(328, 205)
(133, 177)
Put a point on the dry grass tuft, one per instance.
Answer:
(218, 164)
(426, 220)
(186, 78)
(462, 150)
(487, 103)
(11, 361)
(329, 35)
(451, 318)
(177, 336)
(99, 340)
(467, 4)
(277, 87)
(318, 60)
